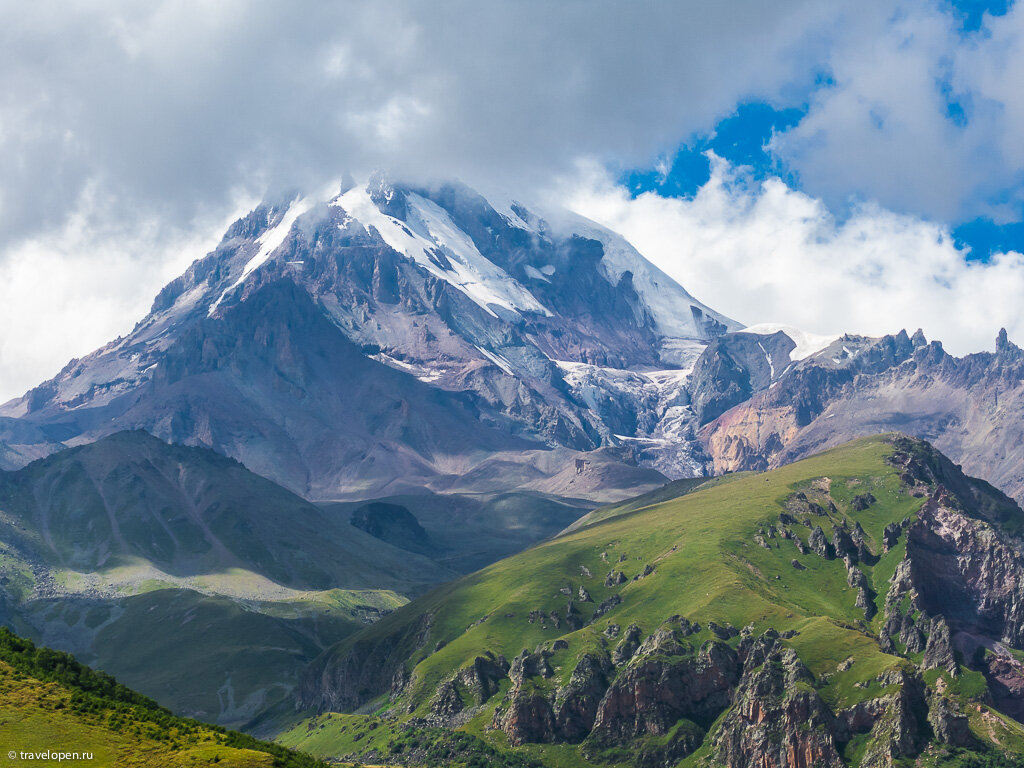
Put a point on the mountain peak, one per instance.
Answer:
(486, 312)
(1005, 347)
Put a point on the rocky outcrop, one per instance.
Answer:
(964, 568)
(900, 727)
(901, 603)
(938, 652)
(948, 725)
(658, 697)
(615, 578)
(891, 536)
(843, 544)
(342, 682)
(859, 538)
(734, 366)
(865, 594)
(820, 544)
(576, 705)
(526, 714)
(627, 646)
(527, 718)
(777, 719)
(447, 703)
(645, 688)
(862, 501)
(662, 685)
(1005, 678)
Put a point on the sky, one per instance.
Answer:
(843, 167)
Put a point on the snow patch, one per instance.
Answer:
(498, 360)
(504, 207)
(676, 314)
(269, 242)
(431, 239)
(535, 273)
(806, 343)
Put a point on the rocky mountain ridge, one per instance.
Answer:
(395, 339)
(971, 408)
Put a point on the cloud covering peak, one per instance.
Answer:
(130, 132)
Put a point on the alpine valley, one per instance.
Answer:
(414, 476)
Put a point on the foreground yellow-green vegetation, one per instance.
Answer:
(51, 704)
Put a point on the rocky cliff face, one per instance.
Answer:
(733, 367)
(970, 408)
(371, 667)
(777, 718)
(661, 698)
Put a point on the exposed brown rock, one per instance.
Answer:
(777, 719)
(651, 694)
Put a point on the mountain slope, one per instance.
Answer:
(186, 512)
(191, 578)
(393, 332)
(468, 531)
(971, 408)
(52, 705)
(871, 592)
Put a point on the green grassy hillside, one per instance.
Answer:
(132, 503)
(181, 572)
(51, 704)
(725, 566)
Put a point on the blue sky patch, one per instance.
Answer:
(740, 139)
(971, 12)
(984, 237)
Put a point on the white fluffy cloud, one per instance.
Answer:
(130, 131)
(916, 115)
(767, 253)
(168, 107)
(68, 292)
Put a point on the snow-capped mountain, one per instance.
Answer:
(393, 338)
(399, 332)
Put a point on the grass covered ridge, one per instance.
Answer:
(50, 702)
(710, 555)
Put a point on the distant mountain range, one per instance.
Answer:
(398, 339)
(972, 408)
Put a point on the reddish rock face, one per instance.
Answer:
(650, 696)
(1005, 677)
(777, 720)
(529, 719)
